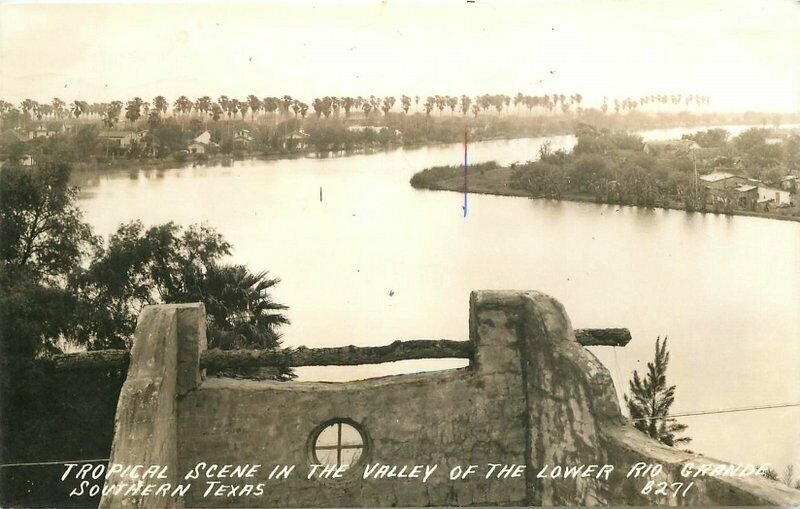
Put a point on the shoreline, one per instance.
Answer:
(575, 198)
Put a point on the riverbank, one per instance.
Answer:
(497, 181)
(531, 128)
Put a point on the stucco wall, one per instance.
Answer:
(532, 395)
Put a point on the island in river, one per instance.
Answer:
(755, 173)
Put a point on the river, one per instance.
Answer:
(376, 261)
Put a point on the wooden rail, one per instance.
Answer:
(302, 356)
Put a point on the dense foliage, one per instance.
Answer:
(613, 167)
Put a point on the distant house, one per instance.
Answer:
(242, 136)
(774, 196)
(676, 146)
(121, 138)
(41, 132)
(723, 180)
(296, 140)
(789, 183)
(204, 138)
(27, 160)
(726, 187)
(197, 148)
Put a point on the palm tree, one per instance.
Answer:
(58, 106)
(452, 102)
(29, 106)
(133, 110)
(270, 105)
(255, 105)
(388, 103)
(160, 104)
(243, 107)
(203, 105)
(241, 310)
(183, 105)
(651, 399)
(406, 102)
(224, 103)
(466, 101)
(348, 103)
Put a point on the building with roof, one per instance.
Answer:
(774, 196)
(121, 138)
(729, 190)
(204, 138)
(296, 140)
(41, 132)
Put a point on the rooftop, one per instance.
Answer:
(716, 176)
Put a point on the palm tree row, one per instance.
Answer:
(287, 106)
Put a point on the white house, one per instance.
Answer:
(197, 148)
(775, 195)
(297, 140)
(204, 138)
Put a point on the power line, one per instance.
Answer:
(721, 411)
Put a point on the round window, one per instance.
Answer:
(338, 442)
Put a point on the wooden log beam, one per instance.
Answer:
(95, 360)
(338, 356)
(603, 337)
(303, 356)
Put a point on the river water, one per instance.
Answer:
(376, 261)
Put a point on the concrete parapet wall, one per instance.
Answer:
(164, 365)
(531, 396)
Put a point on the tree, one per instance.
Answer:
(169, 264)
(466, 101)
(651, 398)
(41, 228)
(42, 242)
(160, 104)
(133, 110)
(388, 104)
(406, 103)
(255, 105)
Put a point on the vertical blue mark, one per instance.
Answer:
(465, 173)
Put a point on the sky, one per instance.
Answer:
(745, 55)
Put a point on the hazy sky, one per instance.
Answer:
(744, 54)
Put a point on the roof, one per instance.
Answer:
(204, 137)
(789, 177)
(297, 135)
(746, 188)
(716, 176)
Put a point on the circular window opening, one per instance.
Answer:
(340, 442)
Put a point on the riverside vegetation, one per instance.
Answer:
(82, 133)
(611, 166)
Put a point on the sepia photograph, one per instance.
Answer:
(399, 253)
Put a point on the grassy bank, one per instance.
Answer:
(496, 180)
